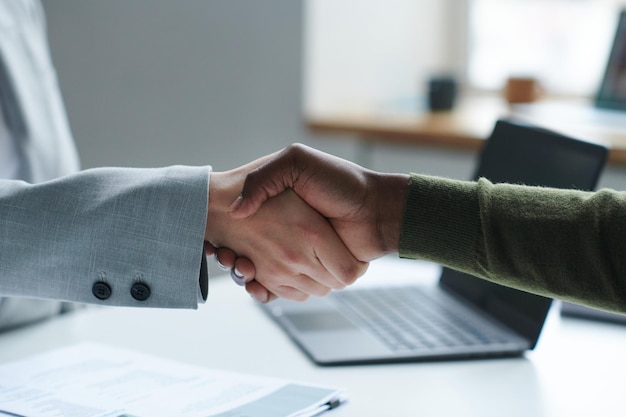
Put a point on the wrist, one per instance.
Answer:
(391, 198)
(223, 190)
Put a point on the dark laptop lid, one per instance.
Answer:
(524, 154)
(612, 91)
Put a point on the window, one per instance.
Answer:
(563, 43)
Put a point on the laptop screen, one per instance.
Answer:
(612, 91)
(521, 154)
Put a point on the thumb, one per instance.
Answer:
(244, 207)
(261, 184)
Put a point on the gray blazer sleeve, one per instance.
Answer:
(109, 236)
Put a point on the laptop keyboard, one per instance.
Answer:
(408, 318)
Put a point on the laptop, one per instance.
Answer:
(587, 313)
(608, 109)
(612, 91)
(461, 317)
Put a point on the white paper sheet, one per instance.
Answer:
(92, 380)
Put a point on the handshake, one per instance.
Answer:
(300, 222)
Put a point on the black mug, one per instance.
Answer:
(441, 93)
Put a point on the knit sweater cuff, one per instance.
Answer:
(441, 221)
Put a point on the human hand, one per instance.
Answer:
(364, 207)
(228, 260)
(294, 250)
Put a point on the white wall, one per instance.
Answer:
(360, 52)
(160, 82)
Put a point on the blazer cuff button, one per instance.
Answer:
(140, 291)
(101, 290)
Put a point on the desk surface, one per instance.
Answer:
(466, 127)
(577, 370)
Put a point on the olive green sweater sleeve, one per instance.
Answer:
(562, 244)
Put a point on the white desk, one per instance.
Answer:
(578, 369)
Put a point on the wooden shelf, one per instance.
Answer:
(465, 128)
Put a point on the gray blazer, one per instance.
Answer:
(47, 248)
(109, 236)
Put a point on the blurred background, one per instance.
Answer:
(222, 82)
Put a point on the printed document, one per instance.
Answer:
(93, 380)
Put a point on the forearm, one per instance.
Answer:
(119, 226)
(558, 243)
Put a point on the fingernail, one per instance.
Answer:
(237, 277)
(236, 204)
(219, 264)
(258, 300)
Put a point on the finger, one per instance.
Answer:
(245, 268)
(299, 289)
(301, 284)
(271, 297)
(209, 249)
(316, 270)
(290, 293)
(237, 277)
(225, 258)
(221, 265)
(295, 287)
(259, 292)
(262, 183)
(335, 257)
